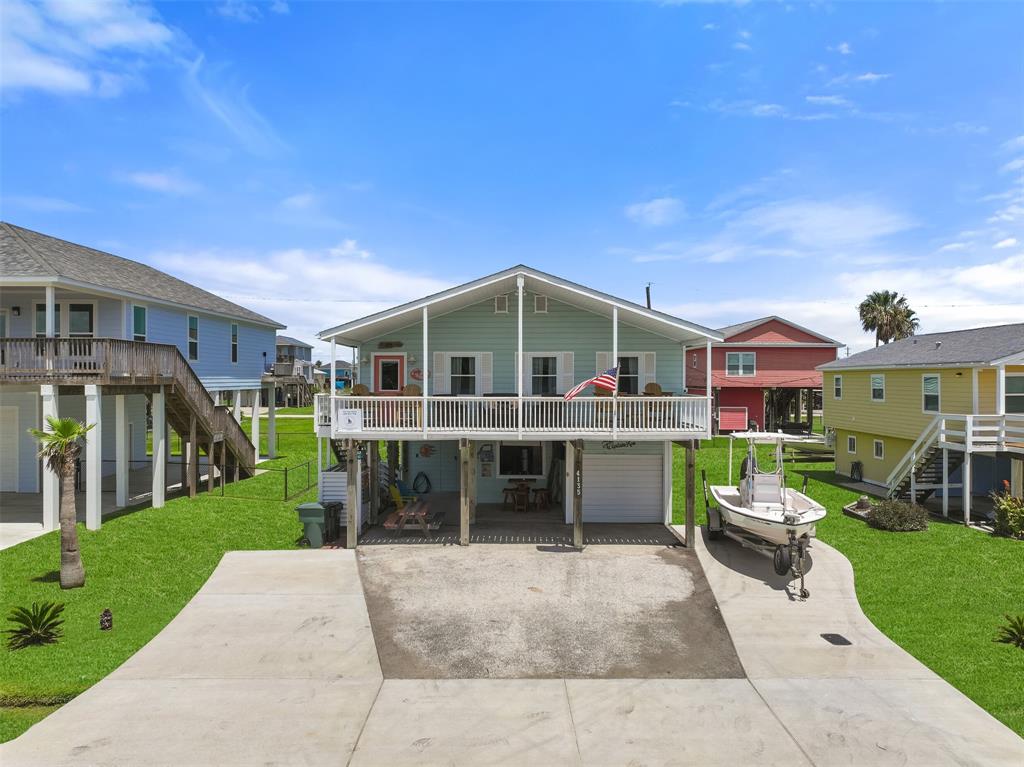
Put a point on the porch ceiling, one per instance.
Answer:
(359, 331)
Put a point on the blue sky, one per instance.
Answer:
(747, 159)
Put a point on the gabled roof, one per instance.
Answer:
(742, 327)
(977, 346)
(355, 332)
(289, 341)
(33, 258)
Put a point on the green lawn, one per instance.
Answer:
(940, 594)
(295, 410)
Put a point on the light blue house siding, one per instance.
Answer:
(214, 366)
(563, 328)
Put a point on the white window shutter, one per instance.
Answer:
(566, 372)
(604, 362)
(441, 374)
(485, 377)
(648, 369)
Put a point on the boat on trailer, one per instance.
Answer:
(763, 514)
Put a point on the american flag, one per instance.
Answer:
(607, 380)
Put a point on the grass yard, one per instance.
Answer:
(940, 594)
(145, 564)
(295, 410)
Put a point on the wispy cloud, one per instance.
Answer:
(306, 209)
(171, 182)
(80, 48)
(1009, 242)
(739, 45)
(843, 49)
(831, 101)
(248, 12)
(660, 211)
(228, 102)
(752, 108)
(866, 77)
(371, 284)
(43, 204)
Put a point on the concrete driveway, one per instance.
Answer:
(273, 663)
(523, 612)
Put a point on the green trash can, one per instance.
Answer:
(313, 519)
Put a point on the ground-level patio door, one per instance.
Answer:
(388, 373)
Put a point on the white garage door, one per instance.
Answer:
(622, 487)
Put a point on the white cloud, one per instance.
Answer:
(306, 209)
(751, 108)
(1013, 145)
(301, 201)
(79, 48)
(43, 204)
(741, 46)
(710, 27)
(248, 12)
(170, 182)
(866, 77)
(265, 281)
(953, 246)
(844, 49)
(1013, 165)
(660, 211)
(228, 102)
(831, 101)
(1009, 242)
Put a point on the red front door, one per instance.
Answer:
(388, 373)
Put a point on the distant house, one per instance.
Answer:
(763, 373)
(291, 374)
(342, 376)
(931, 413)
(129, 348)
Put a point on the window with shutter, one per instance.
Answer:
(930, 393)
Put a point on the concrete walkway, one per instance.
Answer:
(273, 662)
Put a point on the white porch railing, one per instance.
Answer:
(966, 433)
(685, 416)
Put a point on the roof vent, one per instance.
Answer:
(938, 344)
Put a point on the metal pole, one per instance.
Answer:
(426, 370)
(519, 357)
(615, 364)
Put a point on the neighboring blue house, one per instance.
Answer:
(117, 343)
(476, 374)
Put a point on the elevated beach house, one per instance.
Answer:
(763, 374)
(471, 382)
(137, 352)
(934, 414)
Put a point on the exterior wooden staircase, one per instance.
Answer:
(132, 367)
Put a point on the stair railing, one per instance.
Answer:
(908, 463)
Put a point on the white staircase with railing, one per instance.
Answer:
(945, 445)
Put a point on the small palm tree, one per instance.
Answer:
(888, 315)
(60, 447)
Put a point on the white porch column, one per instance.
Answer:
(966, 484)
(945, 481)
(51, 483)
(707, 386)
(334, 366)
(974, 391)
(426, 371)
(159, 449)
(51, 330)
(94, 457)
(271, 423)
(121, 449)
(1000, 390)
(237, 405)
(615, 364)
(519, 357)
(256, 423)
(684, 369)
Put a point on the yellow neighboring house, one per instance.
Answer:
(931, 413)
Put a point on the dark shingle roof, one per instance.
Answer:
(25, 253)
(957, 347)
(289, 341)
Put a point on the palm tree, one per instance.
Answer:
(888, 315)
(60, 448)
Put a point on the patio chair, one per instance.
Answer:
(653, 389)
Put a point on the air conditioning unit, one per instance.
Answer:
(349, 420)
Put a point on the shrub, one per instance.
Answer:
(1009, 509)
(36, 625)
(1012, 632)
(898, 516)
